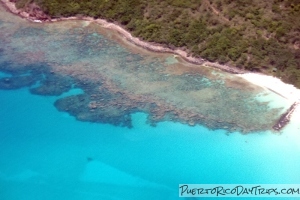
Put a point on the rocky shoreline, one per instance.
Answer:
(285, 118)
(34, 14)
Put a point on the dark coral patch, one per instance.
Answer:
(53, 85)
(16, 82)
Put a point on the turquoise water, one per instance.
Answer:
(3, 75)
(48, 154)
(118, 80)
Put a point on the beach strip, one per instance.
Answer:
(273, 84)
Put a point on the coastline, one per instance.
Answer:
(154, 47)
(286, 91)
(273, 84)
(270, 83)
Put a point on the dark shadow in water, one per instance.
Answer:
(116, 83)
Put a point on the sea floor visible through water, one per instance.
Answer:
(46, 154)
(119, 80)
(84, 117)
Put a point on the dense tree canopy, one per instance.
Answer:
(252, 34)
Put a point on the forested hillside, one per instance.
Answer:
(257, 35)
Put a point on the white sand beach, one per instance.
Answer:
(288, 91)
(273, 84)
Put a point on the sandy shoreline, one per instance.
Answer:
(287, 91)
(290, 92)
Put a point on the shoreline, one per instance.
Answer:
(286, 117)
(286, 91)
(154, 47)
(272, 84)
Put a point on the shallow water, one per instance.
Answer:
(46, 154)
(117, 80)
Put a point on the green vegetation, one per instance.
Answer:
(252, 34)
